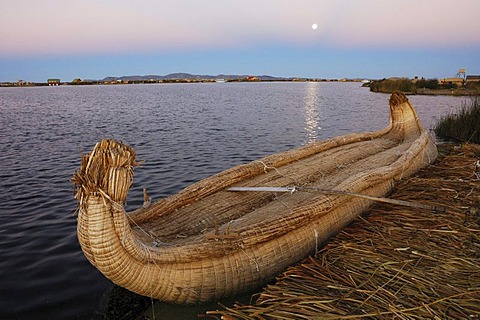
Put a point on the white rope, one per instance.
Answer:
(266, 167)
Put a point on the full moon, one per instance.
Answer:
(314, 26)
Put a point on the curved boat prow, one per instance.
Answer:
(103, 181)
(404, 120)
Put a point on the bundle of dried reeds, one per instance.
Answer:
(106, 171)
(206, 242)
(395, 262)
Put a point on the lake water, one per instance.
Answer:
(183, 132)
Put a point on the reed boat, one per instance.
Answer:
(236, 230)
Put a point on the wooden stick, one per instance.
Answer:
(340, 192)
(378, 199)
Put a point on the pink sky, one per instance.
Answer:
(92, 39)
(51, 27)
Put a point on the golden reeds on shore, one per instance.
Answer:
(394, 262)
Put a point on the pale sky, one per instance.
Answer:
(92, 39)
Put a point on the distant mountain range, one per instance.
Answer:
(173, 76)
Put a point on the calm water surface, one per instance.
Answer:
(183, 132)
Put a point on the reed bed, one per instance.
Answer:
(462, 126)
(393, 262)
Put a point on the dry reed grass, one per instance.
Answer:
(394, 262)
(107, 170)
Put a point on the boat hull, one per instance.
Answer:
(205, 242)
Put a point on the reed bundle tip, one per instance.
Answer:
(106, 171)
(397, 98)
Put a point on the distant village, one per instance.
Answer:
(461, 85)
(143, 80)
(460, 81)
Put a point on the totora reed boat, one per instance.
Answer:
(208, 241)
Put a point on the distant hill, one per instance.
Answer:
(180, 75)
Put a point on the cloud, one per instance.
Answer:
(50, 27)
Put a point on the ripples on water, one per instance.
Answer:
(183, 132)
